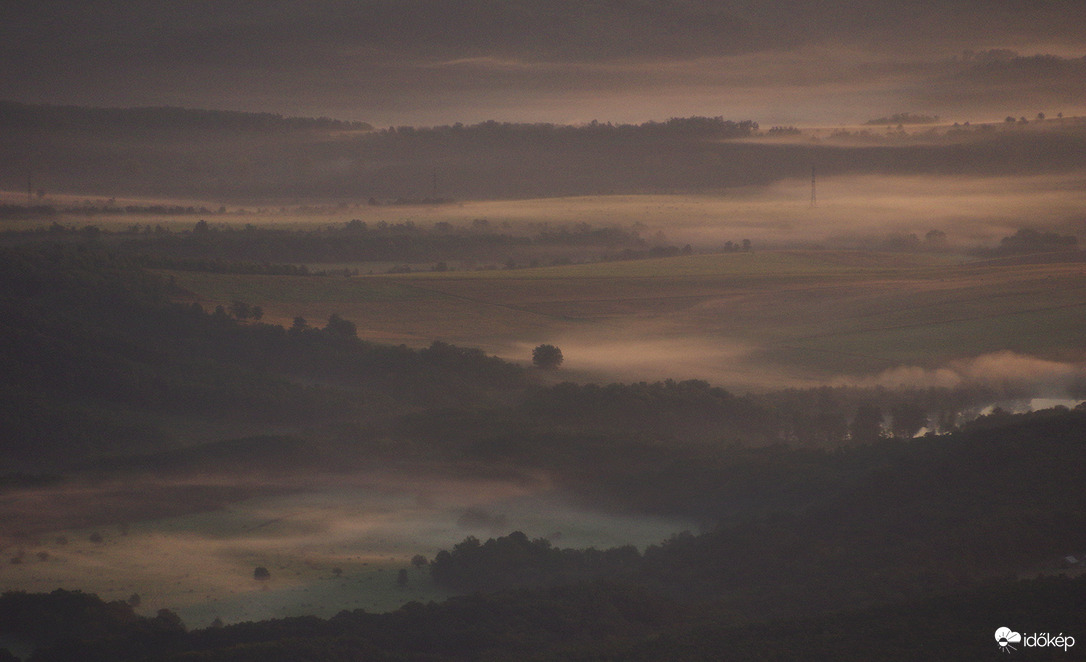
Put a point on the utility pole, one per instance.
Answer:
(814, 200)
(434, 186)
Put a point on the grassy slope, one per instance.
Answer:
(811, 310)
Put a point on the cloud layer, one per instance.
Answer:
(436, 61)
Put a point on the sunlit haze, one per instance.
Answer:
(460, 330)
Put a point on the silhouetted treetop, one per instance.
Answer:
(547, 357)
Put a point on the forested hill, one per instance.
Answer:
(102, 359)
(867, 525)
(587, 622)
(915, 560)
(98, 360)
(260, 156)
(243, 158)
(854, 541)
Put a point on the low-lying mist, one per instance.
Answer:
(328, 542)
(850, 211)
(656, 351)
(1006, 373)
(865, 210)
(634, 353)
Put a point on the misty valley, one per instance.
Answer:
(273, 388)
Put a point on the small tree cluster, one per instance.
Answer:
(244, 311)
(547, 357)
(340, 327)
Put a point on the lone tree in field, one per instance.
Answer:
(547, 357)
(261, 574)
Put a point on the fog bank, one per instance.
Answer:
(331, 543)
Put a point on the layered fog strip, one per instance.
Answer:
(1007, 373)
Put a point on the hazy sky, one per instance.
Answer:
(444, 61)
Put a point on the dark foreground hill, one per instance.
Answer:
(100, 361)
(589, 622)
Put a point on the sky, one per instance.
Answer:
(431, 62)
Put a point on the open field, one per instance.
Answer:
(754, 318)
(850, 208)
(335, 544)
(818, 298)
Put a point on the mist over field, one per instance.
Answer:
(851, 210)
(330, 542)
(1004, 372)
(654, 352)
(511, 329)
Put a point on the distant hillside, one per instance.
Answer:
(160, 120)
(98, 362)
(192, 154)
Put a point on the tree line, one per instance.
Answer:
(270, 250)
(488, 160)
(831, 530)
(137, 121)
